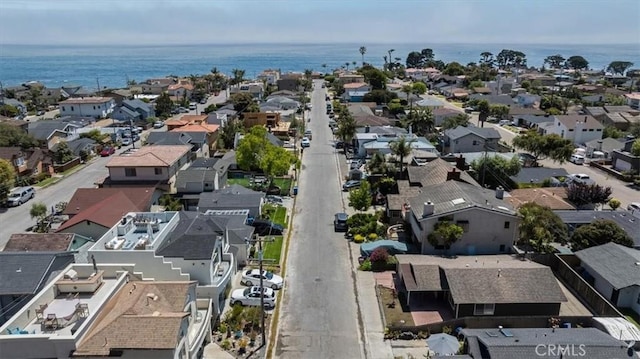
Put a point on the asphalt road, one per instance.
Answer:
(319, 316)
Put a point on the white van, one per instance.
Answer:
(577, 159)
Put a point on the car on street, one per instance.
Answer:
(307, 134)
(267, 228)
(193, 106)
(20, 195)
(305, 142)
(350, 185)
(40, 113)
(126, 141)
(251, 297)
(580, 178)
(158, 124)
(251, 278)
(633, 206)
(340, 222)
(469, 109)
(107, 151)
(339, 144)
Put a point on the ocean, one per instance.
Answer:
(112, 66)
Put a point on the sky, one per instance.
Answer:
(156, 22)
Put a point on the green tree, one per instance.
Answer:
(401, 148)
(635, 147)
(95, 135)
(38, 212)
(9, 111)
(164, 105)
(376, 78)
(419, 87)
(542, 147)
(445, 234)
(619, 67)
(346, 128)
(63, 153)
(360, 198)
(555, 61)
(7, 179)
(494, 171)
(170, 203)
(228, 133)
(421, 121)
(577, 63)
(539, 227)
(598, 232)
(363, 50)
(252, 149)
(614, 204)
(380, 96)
(499, 111)
(485, 111)
(455, 121)
(238, 76)
(13, 136)
(582, 194)
(454, 69)
(612, 132)
(378, 164)
(276, 161)
(244, 102)
(486, 58)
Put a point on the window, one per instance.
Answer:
(158, 170)
(571, 130)
(130, 172)
(63, 108)
(464, 225)
(475, 143)
(502, 248)
(72, 108)
(484, 309)
(19, 162)
(507, 224)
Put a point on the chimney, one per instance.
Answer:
(460, 163)
(428, 209)
(499, 192)
(585, 119)
(367, 129)
(453, 175)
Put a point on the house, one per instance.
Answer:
(84, 198)
(282, 103)
(80, 146)
(148, 165)
(203, 135)
(430, 102)
(383, 145)
(471, 286)
(92, 219)
(357, 86)
(96, 107)
(615, 119)
(133, 110)
(619, 109)
(27, 163)
(364, 116)
(552, 197)
(517, 111)
(624, 219)
(216, 163)
(289, 82)
(22, 108)
(196, 180)
(232, 198)
(267, 119)
(119, 95)
(623, 160)
(603, 148)
(21, 124)
(443, 113)
(633, 100)
(471, 139)
(505, 100)
(489, 223)
(536, 343)
(578, 128)
(612, 270)
(45, 242)
(530, 121)
(197, 140)
(185, 120)
(98, 310)
(23, 275)
(173, 246)
(256, 89)
(269, 76)
(349, 78)
(53, 131)
(439, 171)
(156, 86)
(539, 176)
(181, 90)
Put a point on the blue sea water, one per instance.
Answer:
(111, 66)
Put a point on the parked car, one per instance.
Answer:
(469, 109)
(107, 151)
(193, 106)
(20, 195)
(307, 134)
(350, 185)
(183, 110)
(339, 144)
(355, 164)
(580, 178)
(40, 113)
(264, 228)
(251, 277)
(340, 222)
(577, 159)
(158, 124)
(126, 141)
(305, 142)
(251, 297)
(274, 200)
(504, 122)
(634, 206)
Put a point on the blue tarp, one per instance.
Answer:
(393, 247)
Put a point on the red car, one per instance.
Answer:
(107, 151)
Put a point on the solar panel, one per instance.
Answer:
(492, 334)
(506, 332)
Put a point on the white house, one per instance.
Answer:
(633, 100)
(91, 310)
(256, 89)
(270, 77)
(490, 224)
(97, 107)
(181, 90)
(578, 128)
(613, 270)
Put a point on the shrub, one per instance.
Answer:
(614, 204)
(358, 238)
(379, 255)
(226, 344)
(366, 265)
(373, 236)
(42, 176)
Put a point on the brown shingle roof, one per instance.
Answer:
(39, 242)
(548, 197)
(84, 198)
(194, 127)
(421, 277)
(105, 213)
(84, 100)
(150, 156)
(569, 121)
(435, 172)
(132, 321)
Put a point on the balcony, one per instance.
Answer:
(199, 326)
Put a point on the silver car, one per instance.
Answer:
(251, 297)
(20, 195)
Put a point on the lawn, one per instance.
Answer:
(394, 315)
(273, 250)
(283, 183)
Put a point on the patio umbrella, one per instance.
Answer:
(443, 344)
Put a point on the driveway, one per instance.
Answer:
(319, 316)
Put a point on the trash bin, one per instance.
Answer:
(295, 190)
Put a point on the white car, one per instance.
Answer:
(305, 142)
(126, 141)
(251, 277)
(580, 178)
(251, 297)
(634, 206)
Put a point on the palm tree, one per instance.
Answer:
(389, 52)
(363, 50)
(401, 148)
(346, 64)
(346, 129)
(378, 164)
(421, 121)
(238, 76)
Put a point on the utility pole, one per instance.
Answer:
(262, 327)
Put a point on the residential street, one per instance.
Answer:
(319, 317)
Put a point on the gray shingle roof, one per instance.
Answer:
(202, 162)
(538, 174)
(78, 145)
(435, 172)
(194, 237)
(25, 272)
(608, 144)
(507, 285)
(460, 131)
(623, 218)
(127, 111)
(523, 342)
(169, 138)
(136, 104)
(41, 130)
(494, 99)
(184, 177)
(452, 196)
(234, 196)
(615, 263)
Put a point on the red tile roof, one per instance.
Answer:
(105, 213)
(84, 198)
(210, 128)
(150, 156)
